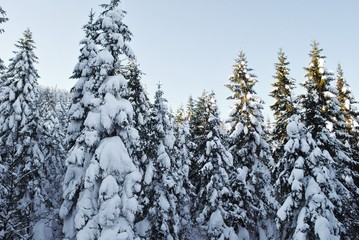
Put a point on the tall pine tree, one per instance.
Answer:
(348, 108)
(101, 180)
(252, 204)
(21, 157)
(350, 136)
(83, 71)
(321, 114)
(160, 196)
(137, 96)
(216, 162)
(284, 106)
(183, 157)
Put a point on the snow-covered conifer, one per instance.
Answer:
(137, 96)
(306, 188)
(348, 108)
(251, 206)
(284, 106)
(350, 138)
(21, 157)
(160, 196)
(322, 115)
(101, 179)
(199, 128)
(83, 71)
(214, 190)
(183, 156)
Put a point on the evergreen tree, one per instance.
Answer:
(347, 104)
(284, 106)
(83, 71)
(141, 106)
(3, 19)
(52, 142)
(215, 163)
(183, 156)
(101, 179)
(160, 196)
(319, 106)
(306, 188)
(350, 139)
(141, 121)
(199, 130)
(251, 204)
(21, 157)
(321, 114)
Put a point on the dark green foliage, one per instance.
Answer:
(284, 106)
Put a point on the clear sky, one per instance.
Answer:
(190, 45)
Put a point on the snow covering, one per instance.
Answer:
(307, 175)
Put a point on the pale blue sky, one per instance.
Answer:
(190, 45)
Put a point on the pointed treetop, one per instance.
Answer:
(318, 77)
(340, 71)
(315, 52)
(88, 27)
(159, 94)
(26, 42)
(159, 85)
(112, 5)
(242, 80)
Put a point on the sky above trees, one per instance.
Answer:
(189, 46)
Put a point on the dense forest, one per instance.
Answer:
(103, 161)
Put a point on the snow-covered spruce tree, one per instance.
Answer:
(52, 144)
(306, 188)
(321, 114)
(141, 107)
(183, 156)
(81, 92)
(160, 197)
(141, 121)
(2, 20)
(199, 128)
(348, 108)
(21, 157)
(251, 207)
(214, 188)
(350, 139)
(101, 179)
(283, 106)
